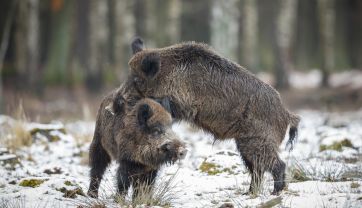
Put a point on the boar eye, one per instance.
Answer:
(156, 132)
(138, 80)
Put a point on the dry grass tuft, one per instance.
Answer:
(163, 194)
(15, 133)
(18, 136)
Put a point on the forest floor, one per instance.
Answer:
(45, 165)
(50, 170)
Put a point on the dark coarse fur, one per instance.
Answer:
(137, 134)
(222, 98)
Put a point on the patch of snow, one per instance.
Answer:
(328, 170)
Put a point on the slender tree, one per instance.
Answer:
(57, 60)
(4, 44)
(140, 14)
(224, 27)
(249, 33)
(33, 44)
(326, 21)
(162, 22)
(98, 48)
(27, 43)
(283, 35)
(22, 15)
(195, 17)
(124, 32)
(81, 61)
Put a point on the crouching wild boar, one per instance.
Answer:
(220, 97)
(139, 139)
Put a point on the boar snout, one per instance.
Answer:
(174, 150)
(182, 153)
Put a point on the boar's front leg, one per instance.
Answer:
(141, 178)
(137, 175)
(123, 178)
(99, 160)
(143, 183)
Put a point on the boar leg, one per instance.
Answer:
(278, 173)
(260, 155)
(135, 174)
(250, 156)
(143, 183)
(99, 160)
(123, 178)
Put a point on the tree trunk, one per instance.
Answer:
(162, 22)
(98, 44)
(284, 30)
(82, 41)
(250, 31)
(195, 16)
(5, 38)
(21, 43)
(27, 43)
(306, 45)
(124, 33)
(139, 10)
(224, 27)
(326, 21)
(354, 32)
(33, 45)
(60, 42)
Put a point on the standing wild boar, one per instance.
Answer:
(222, 98)
(138, 137)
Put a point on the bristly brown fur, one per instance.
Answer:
(137, 133)
(221, 97)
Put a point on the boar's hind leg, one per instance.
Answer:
(278, 172)
(99, 160)
(260, 155)
(251, 157)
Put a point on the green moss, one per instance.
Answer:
(214, 169)
(71, 193)
(68, 183)
(31, 183)
(210, 168)
(229, 171)
(355, 185)
(53, 138)
(336, 145)
(48, 133)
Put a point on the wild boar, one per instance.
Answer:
(138, 137)
(221, 97)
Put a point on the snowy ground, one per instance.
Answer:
(329, 178)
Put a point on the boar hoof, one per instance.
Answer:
(276, 193)
(92, 194)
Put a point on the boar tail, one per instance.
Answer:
(293, 131)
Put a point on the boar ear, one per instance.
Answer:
(165, 102)
(116, 107)
(144, 113)
(137, 45)
(151, 64)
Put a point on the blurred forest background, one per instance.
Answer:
(61, 56)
